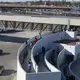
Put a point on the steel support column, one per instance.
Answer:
(45, 27)
(35, 26)
(11, 23)
(51, 27)
(17, 25)
(54, 28)
(3, 23)
(14, 25)
(6, 24)
(68, 26)
(23, 25)
(60, 28)
(26, 25)
(64, 27)
(31, 26)
(41, 26)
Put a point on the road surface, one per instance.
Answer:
(10, 43)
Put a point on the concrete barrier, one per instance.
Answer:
(63, 58)
(44, 76)
(72, 67)
(35, 66)
(77, 51)
(71, 35)
(21, 74)
(69, 48)
(50, 66)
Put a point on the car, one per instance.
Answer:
(1, 51)
(1, 69)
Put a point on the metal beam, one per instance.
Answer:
(35, 26)
(14, 24)
(45, 27)
(18, 25)
(2, 23)
(64, 27)
(23, 25)
(6, 24)
(68, 26)
(41, 27)
(51, 27)
(53, 30)
(11, 23)
(31, 26)
(26, 25)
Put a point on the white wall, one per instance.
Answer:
(35, 66)
(72, 35)
(21, 74)
(70, 48)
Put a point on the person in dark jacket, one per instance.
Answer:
(29, 65)
(43, 50)
(71, 77)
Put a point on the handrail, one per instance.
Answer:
(50, 66)
(60, 54)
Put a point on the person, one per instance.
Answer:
(24, 57)
(35, 39)
(71, 77)
(40, 35)
(58, 50)
(29, 65)
(26, 42)
(31, 44)
(43, 50)
(37, 58)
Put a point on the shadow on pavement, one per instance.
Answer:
(3, 54)
(6, 38)
(8, 72)
(10, 31)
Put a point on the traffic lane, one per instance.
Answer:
(9, 57)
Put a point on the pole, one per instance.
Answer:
(68, 26)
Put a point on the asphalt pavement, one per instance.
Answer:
(10, 43)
